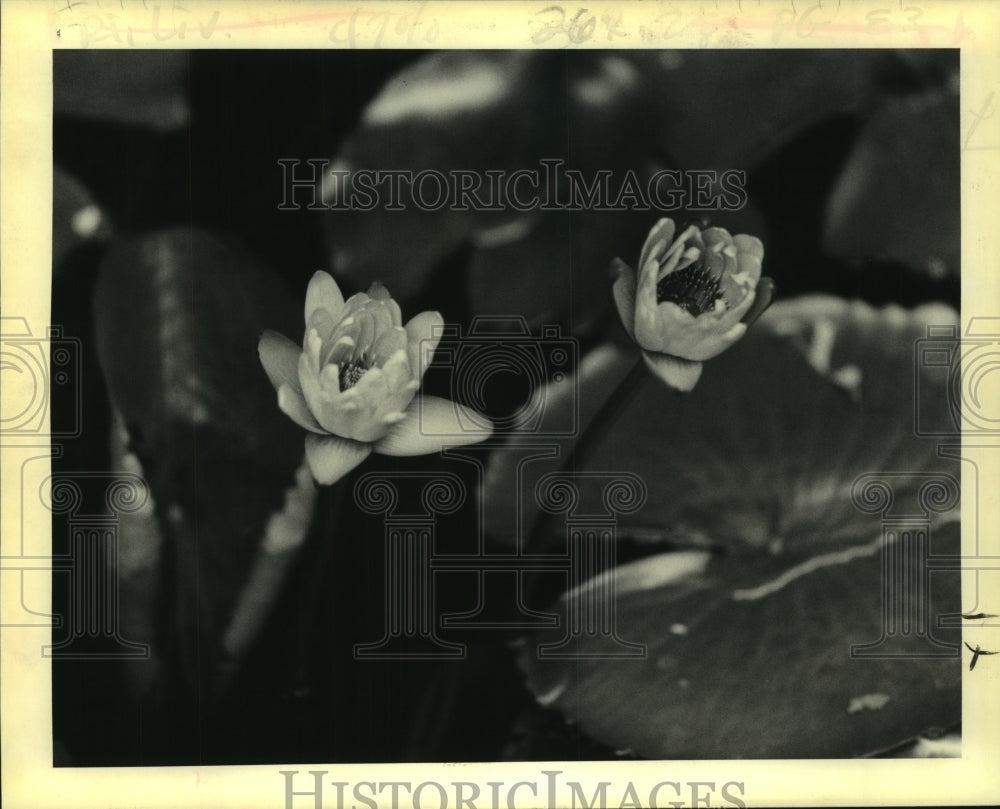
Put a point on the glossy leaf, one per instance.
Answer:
(77, 219)
(628, 114)
(898, 197)
(140, 88)
(477, 113)
(748, 632)
(731, 108)
(773, 677)
(770, 441)
(178, 315)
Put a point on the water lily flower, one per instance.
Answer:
(695, 295)
(353, 384)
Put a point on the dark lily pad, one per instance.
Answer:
(77, 219)
(767, 446)
(626, 113)
(759, 473)
(773, 677)
(481, 112)
(178, 315)
(898, 197)
(445, 112)
(561, 261)
(140, 88)
(731, 108)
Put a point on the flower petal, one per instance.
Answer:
(330, 457)
(623, 290)
(323, 293)
(312, 351)
(378, 292)
(749, 257)
(280, 358)
(400, 382)
(366, 331)
(354, 304)
(659, 238)
(339, 351)
(687, 248)
(716, 236)
(355, 413)
(678, 373)
(371, 389)
(395, 311)
(765, 294)
(432, 423)
(323, 322)
(293, 405)
(649, 333)
(381, 315)
(324, 402)
(389, 342)
(423, 334)
(698, 338)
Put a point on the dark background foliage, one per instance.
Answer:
(193, 142)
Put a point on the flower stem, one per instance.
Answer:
(582, 451)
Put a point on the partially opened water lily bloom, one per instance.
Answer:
(353, 384)
(695, 295)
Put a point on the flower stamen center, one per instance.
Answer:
(351, 372)
(693, 288)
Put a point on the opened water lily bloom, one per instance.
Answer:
(353, 384)
(695, 295)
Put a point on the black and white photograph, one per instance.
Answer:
(593, 401)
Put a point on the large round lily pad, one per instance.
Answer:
(759, 494)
